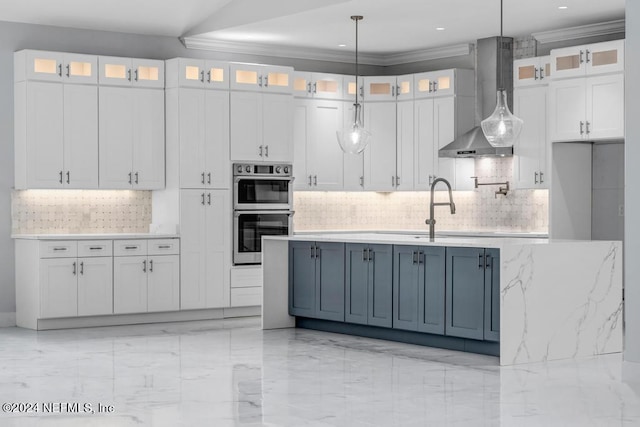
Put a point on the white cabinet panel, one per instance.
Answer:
(163, 283)
(95, 286)
(424, 143)
(277, 126)
(353, 163)
(58, 287)
(380, 154)
(605, 106)
(404, 145)
(148, 139)
(80, 136)
(116, 137)
(530, 150)
(324, 156)
(130, 284)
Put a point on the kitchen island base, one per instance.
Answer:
(557, 299)
(408, 337)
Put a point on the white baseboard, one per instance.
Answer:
(7, 320)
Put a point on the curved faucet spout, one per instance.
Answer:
(452, 206)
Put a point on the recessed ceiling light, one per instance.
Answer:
(342, 45)
(440, 28)
(562, 7)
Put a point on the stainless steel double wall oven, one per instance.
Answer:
(262, 201)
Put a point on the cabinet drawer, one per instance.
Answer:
(246, 277)
(164, 246)
(89, 248)
(129, 247)
(244, 297)
(58, 248)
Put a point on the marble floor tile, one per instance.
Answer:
(232, 373)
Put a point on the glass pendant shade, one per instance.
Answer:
(501, 128)
(354, 138)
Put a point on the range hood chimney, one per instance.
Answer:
(473, 143)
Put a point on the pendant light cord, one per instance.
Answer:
(356, 19)
(500, 50)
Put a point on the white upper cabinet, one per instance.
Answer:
(531, 71)
(579, 61)
(445, 82)
(530, 150)
(261, 78)
(317, 85)
(388, 88)
(380, 153)
(55, 66)
(185, 72)
(116, 71)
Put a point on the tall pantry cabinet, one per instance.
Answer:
(198, 195)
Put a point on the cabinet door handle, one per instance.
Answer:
(266, 151)
(130, 177)
(362, 181)
(74, 268)
(315, 87)
(261, 151)
(60, 177)
(202, 174)
(581, 56)
(393, 181)
(209, 199)
(209, 178)
(60, 70)
(129, 74)
(361, 91)
(393, 91)
(541, 177)
(208, 76)
(435, 86)
(82, 268)
(481, 262)
(310, 182)
(202, 195)
(415, 257)
(371, 255)
(311, 251)
(315, 180)
(581, 128)
(136, 177)
(68, 71)
(397, 181)
(266, 81)
(487, 261)
(135, 73)
(541, 73)
(588, 52)
(202, 76)
(144, 266)
(150, 266)
(260, 81)
(587, 127)
(68, 177)
(535, 177)
(309, 87)
(535, 73)
(364, 255)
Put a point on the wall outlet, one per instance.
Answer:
(620, 210)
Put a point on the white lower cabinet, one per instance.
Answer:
(65, 279)
(205, 235)
(147, 282)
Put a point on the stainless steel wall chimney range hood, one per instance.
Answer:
(473, 143)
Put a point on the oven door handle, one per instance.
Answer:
(245, 212)
(263, 178)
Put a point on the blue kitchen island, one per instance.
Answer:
(524, 300)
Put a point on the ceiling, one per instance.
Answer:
(389, 26)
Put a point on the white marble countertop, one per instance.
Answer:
(419, 239)
(94, 236)
(439, 233)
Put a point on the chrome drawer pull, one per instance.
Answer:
(96, 248)
(60, 249)
(164, 247)
(130, 247)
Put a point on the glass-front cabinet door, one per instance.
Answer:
(380, 88)
(591, 59)
(531, 71)
(434, 83)
(65, 67)
(404, 87)
(147, 73)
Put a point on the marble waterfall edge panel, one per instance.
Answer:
(560, 301)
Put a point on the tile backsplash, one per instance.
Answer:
(80, 211)
(477, 210)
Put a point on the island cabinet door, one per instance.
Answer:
(380, 286)
(492, 295)
(330, 281)
(302, 279)
(431, 291)
(465, 270)
(356, 283)
(406, 278)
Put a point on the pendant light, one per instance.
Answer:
(354, 137)
(501, 128)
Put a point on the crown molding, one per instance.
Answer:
(204, 43)
(591, 30)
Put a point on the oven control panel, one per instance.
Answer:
(242, 169)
